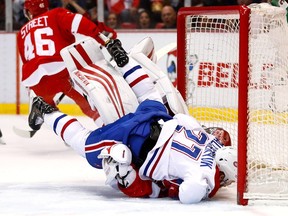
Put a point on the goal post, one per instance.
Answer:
(232, 70)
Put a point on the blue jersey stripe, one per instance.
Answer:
(132, 70)
(56, 122)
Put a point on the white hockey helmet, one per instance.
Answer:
(116, 159)
(226, 160)
(119, 152)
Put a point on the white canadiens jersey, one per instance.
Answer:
(184, 151)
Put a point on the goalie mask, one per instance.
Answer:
(35, 8)
(226, 160)
(222, 135)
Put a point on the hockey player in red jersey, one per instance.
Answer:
(149, 153)
(40, 42)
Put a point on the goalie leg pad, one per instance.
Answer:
(146, 46)
(106, 90)
(98, 81)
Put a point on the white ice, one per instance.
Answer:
(41, 176)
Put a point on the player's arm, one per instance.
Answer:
(89, 28)
(98, 32)
(78, 24)
(107, 31)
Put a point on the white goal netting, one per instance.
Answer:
(212, 58)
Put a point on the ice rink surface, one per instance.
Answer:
(41, 176)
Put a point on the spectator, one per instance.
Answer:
(154, 7)
(169, 17)
(125, 9)
(144, 20)
(129, 14)
(113, 21)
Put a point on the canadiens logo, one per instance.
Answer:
(171, 64)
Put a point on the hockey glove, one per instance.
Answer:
(38, 109)
(116, 164)
(117, 52)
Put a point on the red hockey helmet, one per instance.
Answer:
(35, 7)
(222, 135)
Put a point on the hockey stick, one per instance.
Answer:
(31, 133)
(1, 141)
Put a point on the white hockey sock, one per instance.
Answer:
(140, 82)
(69, 129)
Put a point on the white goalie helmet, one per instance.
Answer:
(226, 160)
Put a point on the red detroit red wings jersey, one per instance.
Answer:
(41, 40)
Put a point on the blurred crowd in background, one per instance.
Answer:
(122, 14)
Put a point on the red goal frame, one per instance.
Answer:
(244, 13)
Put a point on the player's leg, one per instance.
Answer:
(68, 128)
(49, 86)
(140, 82)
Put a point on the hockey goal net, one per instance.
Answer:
(232, 65)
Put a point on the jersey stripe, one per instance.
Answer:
(100, 145)
(43, 69)
(65, 126)
(154, 160)
(132, 70)
(76, 23)
(139, 79)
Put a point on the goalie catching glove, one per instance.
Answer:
(117, 165)
(116, 50)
